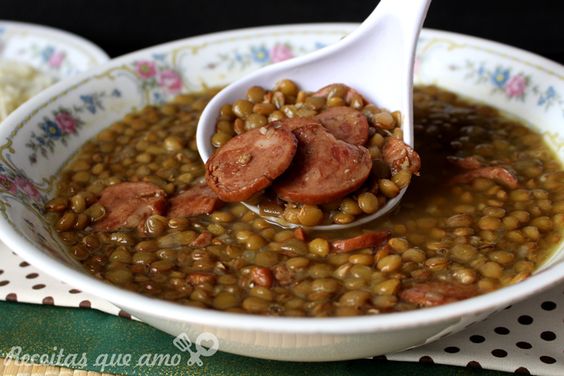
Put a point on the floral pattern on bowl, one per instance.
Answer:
(513, 85)
(36, 143)
(529, 88)
(64, 123)
(261, 54)
(157, 78)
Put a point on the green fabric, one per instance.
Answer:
(47, 330)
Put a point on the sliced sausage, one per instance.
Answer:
(300, 234)
(297, 122)
(366, 240)
(262, 276)
(498, 174)
(345, 123)
(129, 204)
(467, 163)
(430, 294)
(399, 156)
(197, 200)
(249, 162)
(203, 240)
(324, 168)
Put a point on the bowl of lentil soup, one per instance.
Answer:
(480, 228)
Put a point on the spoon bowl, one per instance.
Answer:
(376, 59)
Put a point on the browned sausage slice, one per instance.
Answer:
(498, 174)
(429, 294)
(197, 200)
(249, 162)
(366, 240)
(296, 122)
(399, 156)
(324, 168)
(345, 123)
(467, 163)
(129, 204)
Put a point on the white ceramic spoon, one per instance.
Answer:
(376, 59)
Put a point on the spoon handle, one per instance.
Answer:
(389, 35)
(409, 13)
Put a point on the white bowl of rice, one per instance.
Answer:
(34, 57)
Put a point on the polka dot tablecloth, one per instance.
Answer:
(526, 338)
(21, 282)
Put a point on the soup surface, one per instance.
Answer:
(485, 212)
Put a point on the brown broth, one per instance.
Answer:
(450, 241)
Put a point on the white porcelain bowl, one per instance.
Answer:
(41, 135)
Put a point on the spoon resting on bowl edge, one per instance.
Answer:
(376, 59)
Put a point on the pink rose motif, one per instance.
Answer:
(66, 122)
(516, 86)
(56, 59)
(280, 52)
(8, 184)
(145, 68)
(170, 80)
(27, 187)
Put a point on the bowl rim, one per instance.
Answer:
(154, 307)
(94, 52)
